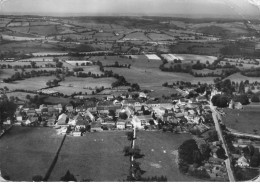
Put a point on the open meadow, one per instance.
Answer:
(26, 152)
(100, 157)
(161, 155)
(84, 85)
(246, 121)
(238, 77)
(31, 84)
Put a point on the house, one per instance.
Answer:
(69, 108)
(129, 111)
(51, 121)
(74, 119)
(31, 121)
(179, 115)
(7, 122)
(58, 107)
(160, 103)
(182, 102)
(81, 124)
(52, 111)
(201, 99)
(142, 95)
(110, 97)
(216, 160)
(19, 117)
(235, 105)
(62, 120)
(128, 123)
(170, 117)
(96, 127)
(120, 124)
(31, 112)
(141, 121)
(89, 115)
(81, 109)
(242, 162)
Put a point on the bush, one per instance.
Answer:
(37, 178)
(68, 177)
(220, 101)
(243, 99)
(255, 99)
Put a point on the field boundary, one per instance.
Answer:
(2, 134)
(48, 173)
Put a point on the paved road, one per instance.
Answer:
(215, 116)
(240, 134)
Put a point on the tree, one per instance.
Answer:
(33, 64)
(55, 59)
(68, 177)
(255, 99)
(135, 87)
(255, 160)
(205, 151)
(220, 100)
(243, 99)
(123, 115)
(49, 83)
(241, 88)
(130, 136)
(221, 153)
(7, 110)
(212, 136)
(188, 154)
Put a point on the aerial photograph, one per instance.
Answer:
(130, 91)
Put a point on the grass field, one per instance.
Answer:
(160, 37)
(90, 157)
(74, 84)
(25, 152)
(163, 159)
(99, 156)
(137, 36)
(243, 121)
(43, 30)
(29, 84)
(237, 77)
(6, 73)
(20, 95)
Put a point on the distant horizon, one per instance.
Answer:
(231, 9)
(188, 16)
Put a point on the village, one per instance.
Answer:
(124, 113)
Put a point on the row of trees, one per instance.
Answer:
(135, 171)
(117, 65)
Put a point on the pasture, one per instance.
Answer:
(20, 95)
(160, 37)
(44, 30)
(26, 152)
(84, 85)
(136, 36)
(238, 77)
(246, 120)
(6, 73)
(161, 156)
(94, 155)
(32, 84)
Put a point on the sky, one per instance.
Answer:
(204, 8)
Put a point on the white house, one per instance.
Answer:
(242, 162)
(120, 124)
(141, 121)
